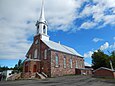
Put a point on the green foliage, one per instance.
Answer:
(112, 58)
(100, 59)
(19, 66)
(4, 68)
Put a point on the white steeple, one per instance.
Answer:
(42, 24)
(42, 17)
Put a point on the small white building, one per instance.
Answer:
(7, 74)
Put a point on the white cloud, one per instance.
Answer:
(97, 39)
(86, 11)
(88, 54)
(88, 25)
(104, 46)
(18, 18)
(87, 64)
(112, 46)
(98, 12)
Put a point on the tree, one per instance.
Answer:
(19, 66)
(99, 59)
(16, 67)
(3, 68)
(112, 58)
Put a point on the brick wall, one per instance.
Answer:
(114, 74)
(60, 70)
(84, 71)
(30, 68)
(45, 62)
(104, 73)
(43, 65)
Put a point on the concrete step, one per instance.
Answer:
(15, 76)
(44, 74)
(41, 76)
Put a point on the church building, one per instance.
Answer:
(49, 58)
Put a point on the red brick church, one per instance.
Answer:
(49, 58)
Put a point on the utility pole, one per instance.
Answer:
(111, 65)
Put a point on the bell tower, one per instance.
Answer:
(42, 25)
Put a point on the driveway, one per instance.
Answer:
(62, 81)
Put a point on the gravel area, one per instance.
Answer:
(62, 81)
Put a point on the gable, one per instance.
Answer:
(30, 49)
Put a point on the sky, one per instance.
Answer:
(85, 25)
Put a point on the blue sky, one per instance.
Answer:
(85, 25)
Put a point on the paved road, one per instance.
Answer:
(62, 81)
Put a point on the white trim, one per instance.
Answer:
(45, 54)
(32, 60)
(64, 62)
(56, 61)
(71, 63)
(76, 66)
(35, 53)
(103, 68)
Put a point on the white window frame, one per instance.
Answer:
(36, 42)
(64, 62)
(81, 64)
(76, 64)
(71, 65)
(56, 61)
(30, 56)
(35, 53)
(45, 54)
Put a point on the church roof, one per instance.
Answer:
(60, 47)
(103, 68)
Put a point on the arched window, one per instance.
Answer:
(36, 42)
(26, 67)
(56, 61)
(45, 54)
(70, 63)
(64, 61)
(38, 27)
(81, 64)
(34, 68)
(35, 53)
(44, 29)
(29, 56)
(76, 64)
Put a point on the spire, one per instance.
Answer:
(42, 17)
(41, 25)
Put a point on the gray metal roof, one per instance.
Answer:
(104, 68)
(62, 48)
